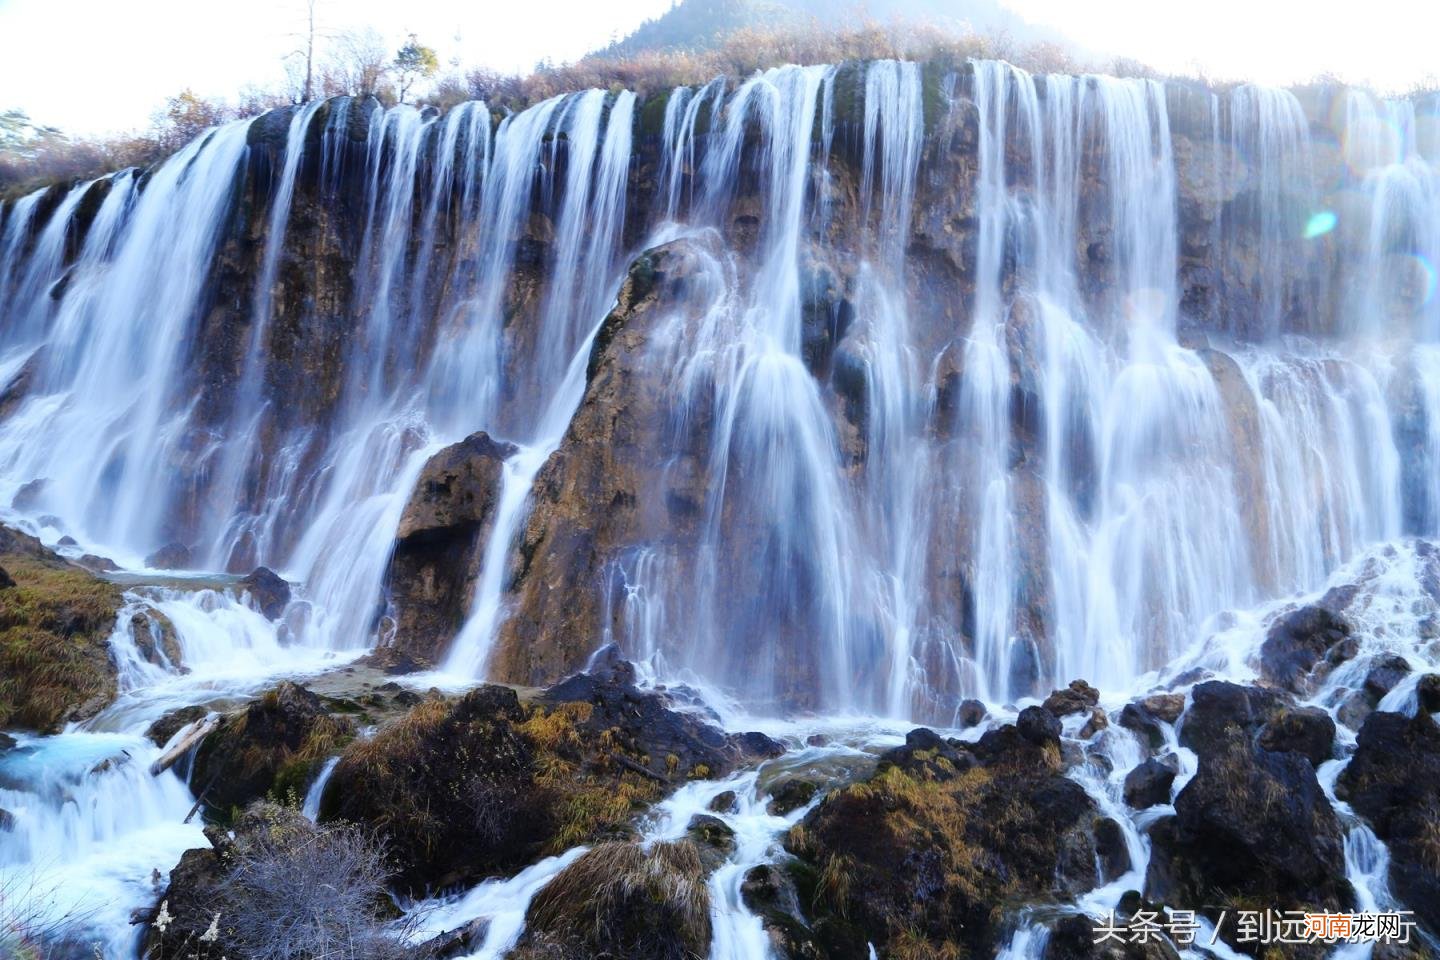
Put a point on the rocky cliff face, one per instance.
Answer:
(383, 282)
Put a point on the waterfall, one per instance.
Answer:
(1088, 469)
(978, 383)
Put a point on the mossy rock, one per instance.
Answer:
(55, 625)
(271, 749)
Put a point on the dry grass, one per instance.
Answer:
(619, 900)
(54, 627)
(743, 52)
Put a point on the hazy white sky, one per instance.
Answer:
(89, 66)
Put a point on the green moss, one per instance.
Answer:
(54, 629)
(652, 114)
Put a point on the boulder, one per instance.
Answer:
(1308, 731)
(1393, 781)
(155, 638)
(55, 625)
(268, 592)
(1251, 826)
(1097, 721)
(770, 893)
(1039, 726)
(6, 581)
(724, 802)
(1303, 644)
(97, 564)
(440, 543)
(1427, 692)
(713, 839)
(1149, 783)
(970, 713)
(619, 900)
(172, 556)
(1218, 707)
(271, 748)
(1111, 848)
(1145, 716)
(486, 784)
(160, 732)
(1385, 674)
(790, 795)
(929, 851)
(1079, 697)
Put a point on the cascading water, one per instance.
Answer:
(1060, 466)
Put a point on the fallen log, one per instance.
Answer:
(184, 740)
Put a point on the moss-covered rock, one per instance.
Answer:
(55, 624)
(272, 748)
(487, 783)
(619, 900)
(928, 856)
(1394, 782)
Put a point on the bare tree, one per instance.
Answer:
(358, 63)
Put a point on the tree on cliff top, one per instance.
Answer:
(413, 62)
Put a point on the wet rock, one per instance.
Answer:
(160, 732)
(440, 543)
(269, 593)
(1218, 707)
(27, 498)
(7, 820)
(1111, 849)
(97, 564)
(618, 900)
(971, 713)
(724, 802)
(593, 499)
(1251, 826)
(1308, 731)
(1097, 721)
(172, 556)
(1079, 697)
(928, 755)
(1314, 636)
(482, 785)
(271, 748)
(1038, 725)
(923, 851)
(67, 541)
(1149, 783)
(1144, 717)
(1427, 691)
(770, 893)
(1354, 709)
(713, 839)
(155, 638)
(55, 625)
(791, 795)
(1385, 675)
(1393, 781)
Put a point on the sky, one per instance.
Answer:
(94, 68)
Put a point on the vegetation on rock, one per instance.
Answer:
(55, 624)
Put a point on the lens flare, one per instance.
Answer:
(1320, 224)
(1428, 278)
